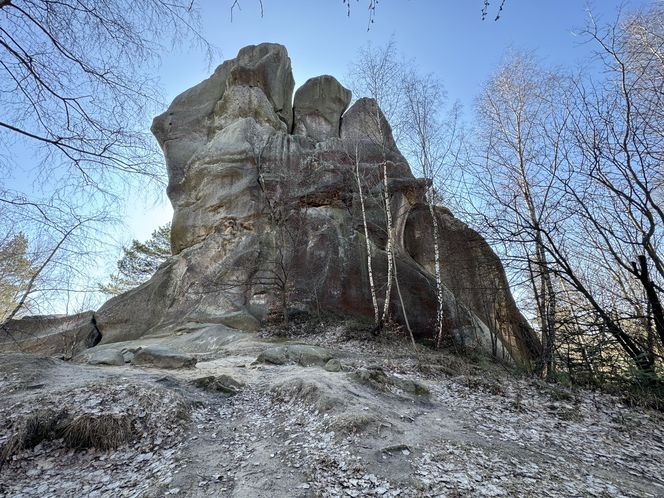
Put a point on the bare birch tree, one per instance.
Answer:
(415, 106)
(377, 73)
(433, 142)
(522, 130)
(372, 285)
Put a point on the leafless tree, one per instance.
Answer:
(377, 73)
(75, 80)
(572, 172)
(615, 183)
(522, 131)
(76, 90)
(371, 7)
(273, 266)
(433, 142)
(422, 126)
(361, 194)
(49, 264)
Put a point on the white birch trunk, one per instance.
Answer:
(439, 281)
(372, 287)
(389, 248)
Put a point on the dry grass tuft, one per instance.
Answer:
(32, 430)
(101, 431)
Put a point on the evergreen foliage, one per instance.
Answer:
(15, 271)
(140, 261)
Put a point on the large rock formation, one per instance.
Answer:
(267, 218)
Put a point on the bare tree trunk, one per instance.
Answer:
(284, 305)
(390, 244)
(551, 320)
(547, 303)
(403, 308)
(401, 212)
(38, 272)
(631, 347)
(547, 308)
(378, 75)
(372, 287)
(439, 280)
(654, 303)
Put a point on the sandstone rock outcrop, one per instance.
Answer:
(318, 106)
(64, 335)
(256, 85)
(267, 218)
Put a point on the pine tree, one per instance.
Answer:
(15, 271)
(140, 261)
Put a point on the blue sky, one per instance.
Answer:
(444, 37)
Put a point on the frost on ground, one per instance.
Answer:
(52, 454)
(386, 423)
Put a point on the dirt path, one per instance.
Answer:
(380, 426)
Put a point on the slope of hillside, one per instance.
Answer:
(329, 412)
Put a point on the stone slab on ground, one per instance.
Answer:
(297, 353)
(160, 357)
(106, 357)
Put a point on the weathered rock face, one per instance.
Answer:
(268, 218)
(257, 85)
(474, 275)
(318, 106)
(61, 335)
